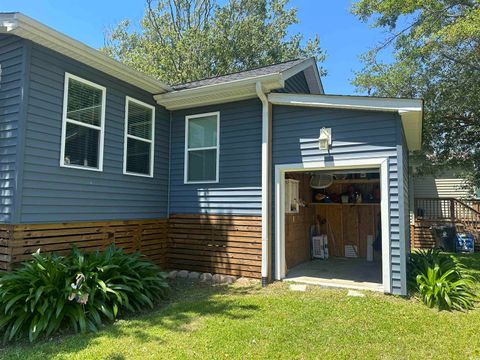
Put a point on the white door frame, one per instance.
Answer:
(347, 164)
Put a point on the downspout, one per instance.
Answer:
(169, 162)
(266, 184)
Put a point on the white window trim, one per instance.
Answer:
(185, 171)
(128, 136)
(65, 120)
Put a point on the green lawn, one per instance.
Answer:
(248, 322)
(472, 261)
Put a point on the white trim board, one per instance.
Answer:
(126, 136)
(410, 110)
(266, 182)
(374, 163)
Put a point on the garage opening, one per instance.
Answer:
(333, 228)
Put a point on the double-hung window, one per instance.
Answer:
(139, 138)
(83, 124)
(202, 148)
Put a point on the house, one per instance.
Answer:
(224, 175)
(440, 199)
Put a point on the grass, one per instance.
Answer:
(248, 322)
(472, 261)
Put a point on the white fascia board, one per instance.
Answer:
(28, 28)
(219, 93)
(347, 102)
(410, 110)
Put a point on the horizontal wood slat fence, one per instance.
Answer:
(222, 244)
(229, 245)
(18, 242)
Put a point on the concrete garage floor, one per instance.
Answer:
(339, 272)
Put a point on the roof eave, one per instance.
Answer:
(309, 66)
(28, 28)
(219, 93)
(410, 110)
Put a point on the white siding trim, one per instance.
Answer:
(65, 120)
(151, 141)
(266, 183)
(361, 163)
(185, 162)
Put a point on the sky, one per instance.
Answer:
(341, 34)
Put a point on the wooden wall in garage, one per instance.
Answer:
(347, 223)
(297, 226)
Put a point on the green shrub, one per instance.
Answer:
(441, 280)
(80, 290)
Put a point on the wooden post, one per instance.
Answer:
(452, 211)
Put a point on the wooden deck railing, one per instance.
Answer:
(450, 209)
(431, 211)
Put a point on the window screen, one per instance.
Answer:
(139, 138)
(83, 119)
(202, 148)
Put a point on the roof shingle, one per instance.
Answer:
(261, 71)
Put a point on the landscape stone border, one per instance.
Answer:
(201, 277)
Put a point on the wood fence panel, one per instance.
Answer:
(230, 245)
(18, 242)
(5, 250)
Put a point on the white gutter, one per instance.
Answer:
(266, 184)
(235, 90)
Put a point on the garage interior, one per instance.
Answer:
(333, 228)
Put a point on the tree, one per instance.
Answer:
(436, 47)
(186, 40)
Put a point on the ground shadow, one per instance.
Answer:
(187, 303)
(471, 261)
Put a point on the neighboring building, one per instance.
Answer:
(443, 185)
(442, 199)
(194, 175)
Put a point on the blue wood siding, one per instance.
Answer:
(296, 84)
(239, 188)
(355, 134)
(12, 62)
(51, 193)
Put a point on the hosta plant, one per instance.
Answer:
(79, 291)
(440, 280)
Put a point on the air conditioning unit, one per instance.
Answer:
(320, 247)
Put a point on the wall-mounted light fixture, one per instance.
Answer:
(325, 139)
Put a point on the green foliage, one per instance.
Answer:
(436, 49)
(80, 290)
(181, 41)
(441, 280)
